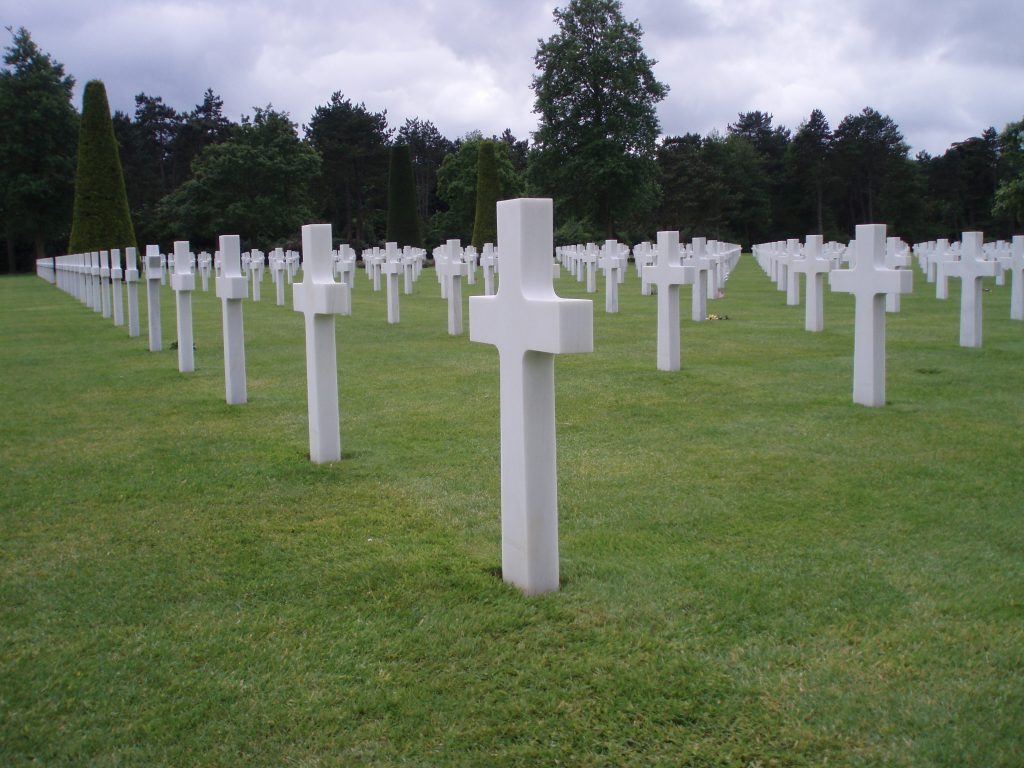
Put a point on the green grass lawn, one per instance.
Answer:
(756, 572)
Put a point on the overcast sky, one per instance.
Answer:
(944, 70)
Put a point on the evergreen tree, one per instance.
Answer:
(256, 184)
(38, 138)
(488, 192)
(428, 149)
(457, 186)
(809, 161)
(353, 145)
(597, 132)
(101, 217)
(403, 221)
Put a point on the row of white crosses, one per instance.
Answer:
(95, 280)
(971, 260)
(873, 275)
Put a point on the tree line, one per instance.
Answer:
(597, 150)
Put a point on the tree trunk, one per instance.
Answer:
(12, 256)
(821, 225)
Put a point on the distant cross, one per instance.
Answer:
(814, 266)
(666, 275)
(154, 277)
(453, 269)
(971, 268)
(701, 263)
(391, 267)
(115, 284)
(869, 280)
(487, 264)
(232, 287)
(131, 279)
(105, 283)
(319, 298)
(1015, 265)
(895, 258)
(610, 267)
(529, 324)
(183, 281)
(792, 275)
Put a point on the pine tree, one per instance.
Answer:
(485, 225)
(403, 222)
(101, 217)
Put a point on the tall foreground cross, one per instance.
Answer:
(869, 280)
(529, 324)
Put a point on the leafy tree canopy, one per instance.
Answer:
(256, 184)
(597, 132)
(38, 141)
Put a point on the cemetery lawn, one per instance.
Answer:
(756, 572)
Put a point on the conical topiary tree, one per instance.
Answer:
(101, 216)
(488, 191)
(403, 221)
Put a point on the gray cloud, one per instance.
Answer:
(944, 70)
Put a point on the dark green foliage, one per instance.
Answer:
(256, 184)
(101, 216)
(597, 131)
(403, 220)
(457, 186)
(808, 160)
(428, 149)
(38, 139)
(350, 190)
(488, 192)
(1009, 196)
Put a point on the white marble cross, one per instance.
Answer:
(131, 279)
(869, 280)
(232, 287)
(453, 269)
(319, 298)
(1015, 265)
(701, 264)
(971, 268)
(814, 266)
(610, 266)
(896, 257)
(487, 264)
(115, 284)
(391, 267)
(105, 283)
(666, 275)
(792, 276)
(529, 324)
(183, 281)
(154, 278)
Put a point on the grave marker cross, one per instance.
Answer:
(319, 298)
(869, 280)
(183, 281)
(529, 324)
(1016, 267)
(666, 275)
(970, 269)
(814, 266)
(232, 287)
